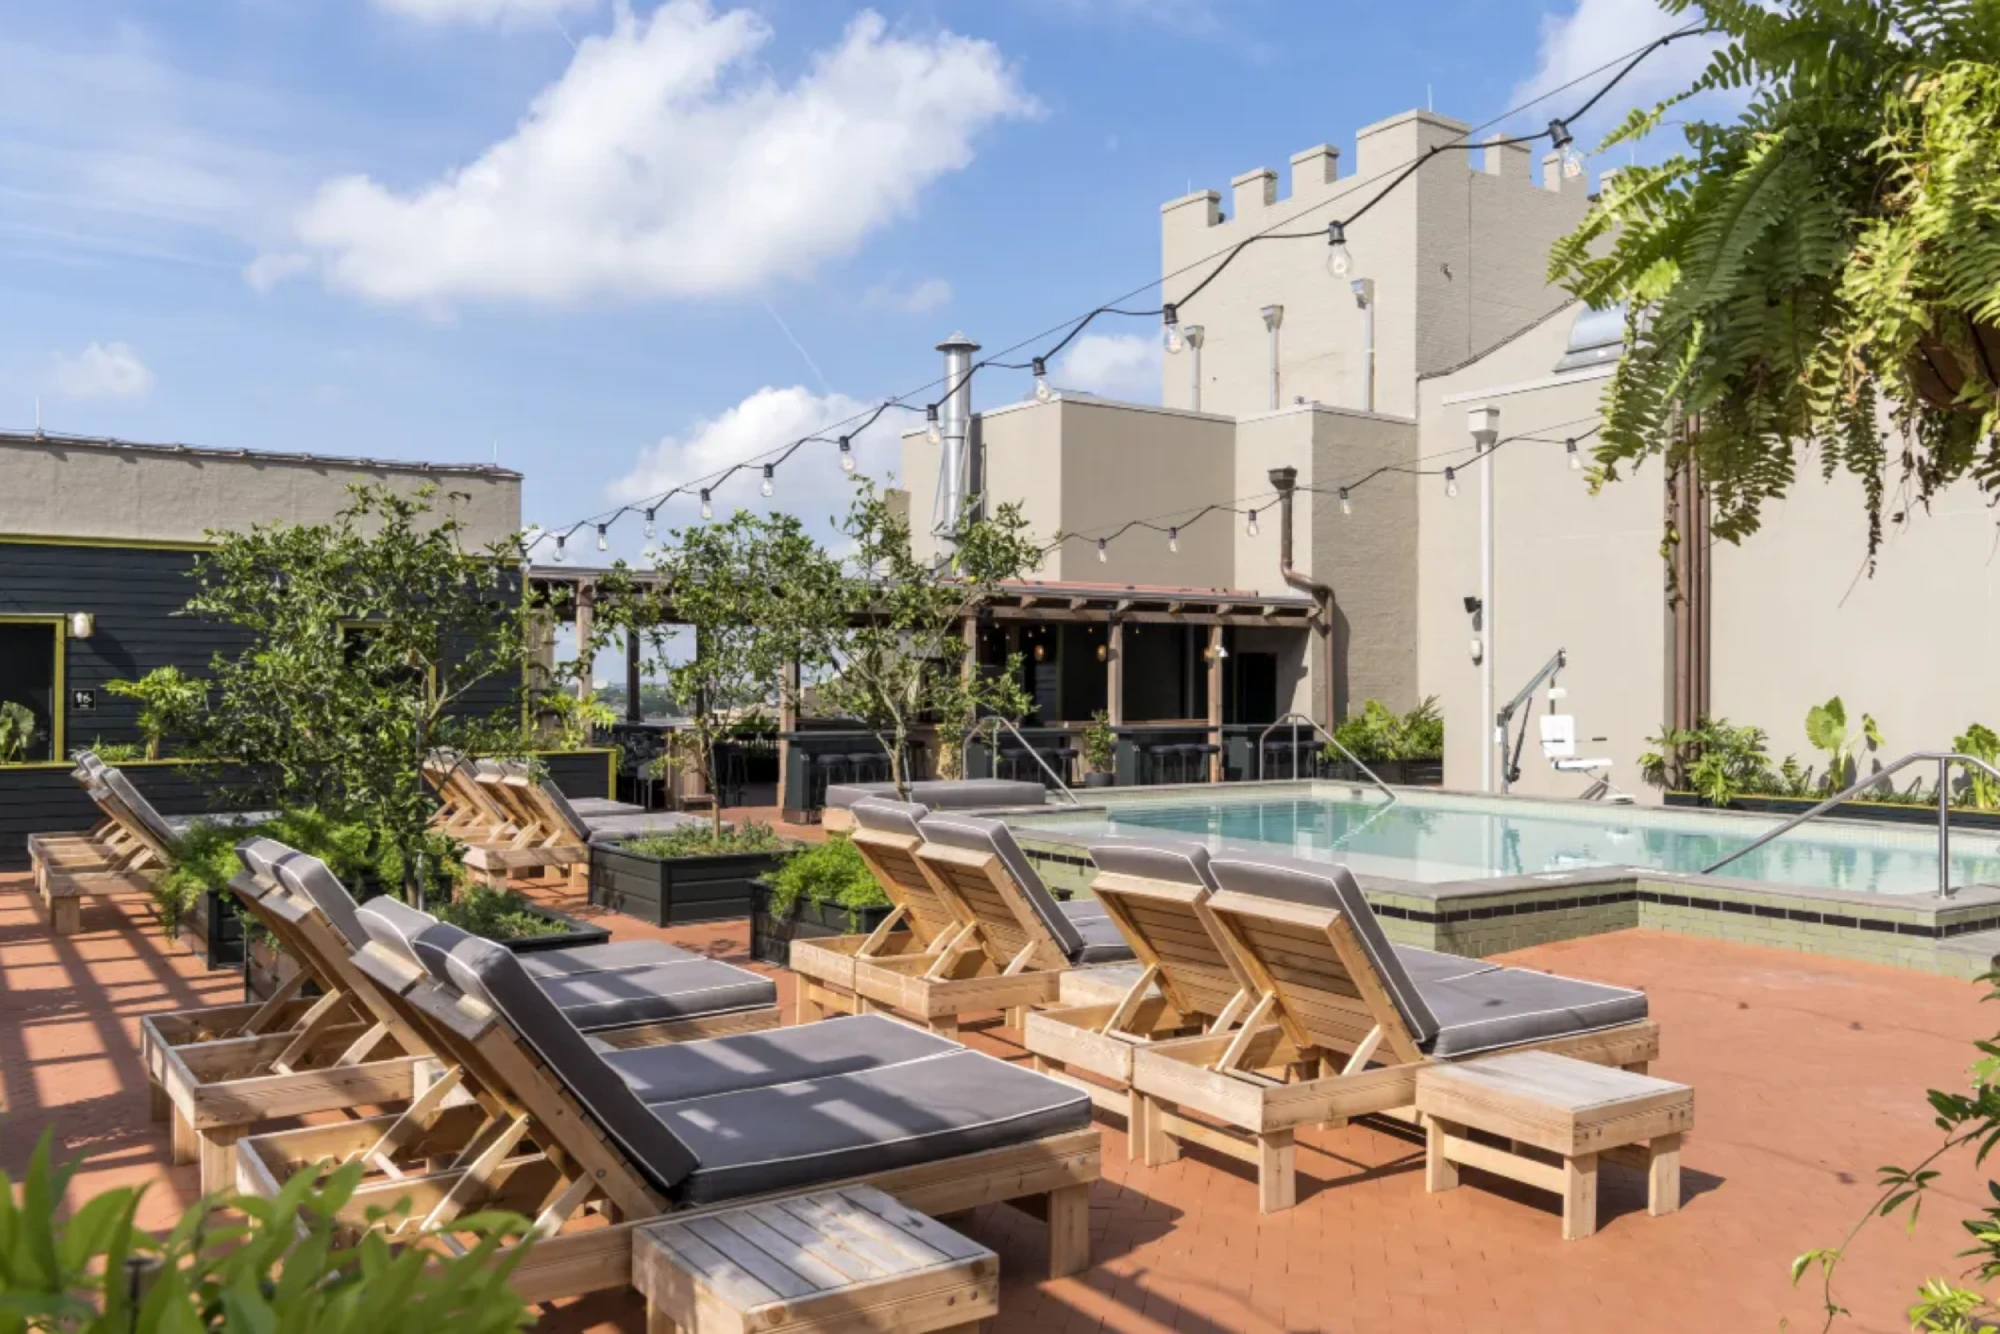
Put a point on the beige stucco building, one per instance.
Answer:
(1463, 317)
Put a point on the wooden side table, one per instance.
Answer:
(1571, 1109)
(848, 1260)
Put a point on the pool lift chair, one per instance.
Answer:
(1558, 736)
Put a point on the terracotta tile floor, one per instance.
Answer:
(1810, 1073)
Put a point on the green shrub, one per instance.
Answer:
(271, 1265)
(829, 873)
(17, 732)
(699, 840)
(111, 752)
(495, 914)
(1380, 733)
(1100, 744)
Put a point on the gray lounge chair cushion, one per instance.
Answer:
(891, 817)
(310, 876)
(616, 956)
(597, 808)
(1510, 1006)
(1103, 942)
(566, 811)
(1326, 885)
(142, 810)
(688, 989)
(1169, 860)
(814, 1131)
(486, 972)
(1428, 966)
(944, 794)
(976, 834)
(611, 828)
(180, 824)
(395, 926)
(681, 1071)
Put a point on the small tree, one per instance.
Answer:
(901, 655)
(756, 591)
(371, 638)
(169, 702)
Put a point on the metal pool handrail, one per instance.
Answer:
(1944, 760)
(998, 723)
(1295, 719)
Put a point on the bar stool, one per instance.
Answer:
(1062, 759)
(1278, 754)
(1204, 755)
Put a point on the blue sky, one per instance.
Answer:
(614, 245)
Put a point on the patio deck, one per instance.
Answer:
(1809, 1073)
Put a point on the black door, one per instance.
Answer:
(1256, 687)
(28, 678)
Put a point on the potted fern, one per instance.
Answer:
(1100, 751)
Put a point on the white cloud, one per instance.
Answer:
(273, 267)
(919, 298)
(1124, 366)
(102, 370)
(810, 484)
(664, 163)
(504, 13)
(1598, 32)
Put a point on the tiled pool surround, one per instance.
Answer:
(1487, 915)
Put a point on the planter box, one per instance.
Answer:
(669, 892)
(1398, 773)
(212, 929)
(1882, 812)
(771, 936)
(565, 932)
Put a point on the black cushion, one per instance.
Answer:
(595, 808)
(1510, 1006)
(491, 974)
(611, 957)
(1327, 885)
(813, 1131)
(682, 1071)
(1103, 942)
(688, 989)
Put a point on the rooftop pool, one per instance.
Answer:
(1439, 838)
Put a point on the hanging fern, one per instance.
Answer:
(1819, 280)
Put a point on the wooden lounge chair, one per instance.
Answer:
(1013, 941)
(1157, 894)
(350, 1048)
(532, 1117)
(539, 828)
(1348, 1021)
(923, 921)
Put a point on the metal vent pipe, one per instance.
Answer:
(955, 424)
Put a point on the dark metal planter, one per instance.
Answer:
(672, 891)
(771, 936)
(1882, 812)
(212, 929)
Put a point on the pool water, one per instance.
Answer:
(1433, 838)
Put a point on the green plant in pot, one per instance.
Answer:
(1981, 742)
(17, 732)
(1100, 751)
(829, 874)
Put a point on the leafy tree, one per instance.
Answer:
(371, 639)
(1825, 264)
(898, 655)
(757, 592)
(169, 702)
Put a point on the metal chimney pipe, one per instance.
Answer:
(1274, 316)
(955, 424)
(1285, 481)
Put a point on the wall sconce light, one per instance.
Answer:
(1216, 654)
(1040, 652)
(1104, 653)
(82, 624)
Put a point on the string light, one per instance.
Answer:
(707, 510)
(932, 431)
(1575, 459)
(1174, 539)
(603, 537)
(1250, 528)
(1451, 481)
(846, 454)
(1171, 338)
(770, 472)
(561, 555)
(1346, 505)
(651, 528)
(1339, 261)
(1042, 391)
(1565, 146)
(1103, 553)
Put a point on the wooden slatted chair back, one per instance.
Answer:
(142, 844)
(469, 810)
(1172, 931)
(888, 841)
(1312, 976)
(531, 811)
(1007, 928)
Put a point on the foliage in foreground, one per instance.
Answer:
(17, 731)
(1830, 257)
(692, 840)
(1965, 1120)
(495, 914)
(829, 874)
(1380, 733)
(271, 1265)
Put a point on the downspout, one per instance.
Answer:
(1286, 481)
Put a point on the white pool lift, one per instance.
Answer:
(1559, 746)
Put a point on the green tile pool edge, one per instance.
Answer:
(1516, 917)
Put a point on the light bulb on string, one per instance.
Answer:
(932, 431)
(1170, 337)
(1565, 145)
(1451, 481)
(707, 510)
(1174, 539)
(1339, 259)
(651, 528)
(770, 471)
(1103, 554)
(561, 555)
(1042, 391)
(1575, 459)
(1250, 528)
(1346, 505)
(603, 539)
(846, 454)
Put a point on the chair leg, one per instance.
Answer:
(1069, 1230)
(1135, 1124)
(1277, 1177)
(1663, 1175)
(158, 1104)
(1440, 1172)
(218, 1159)
(184, 1142)
(1579, 1196)
(1159, 1147)
(65, 915)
